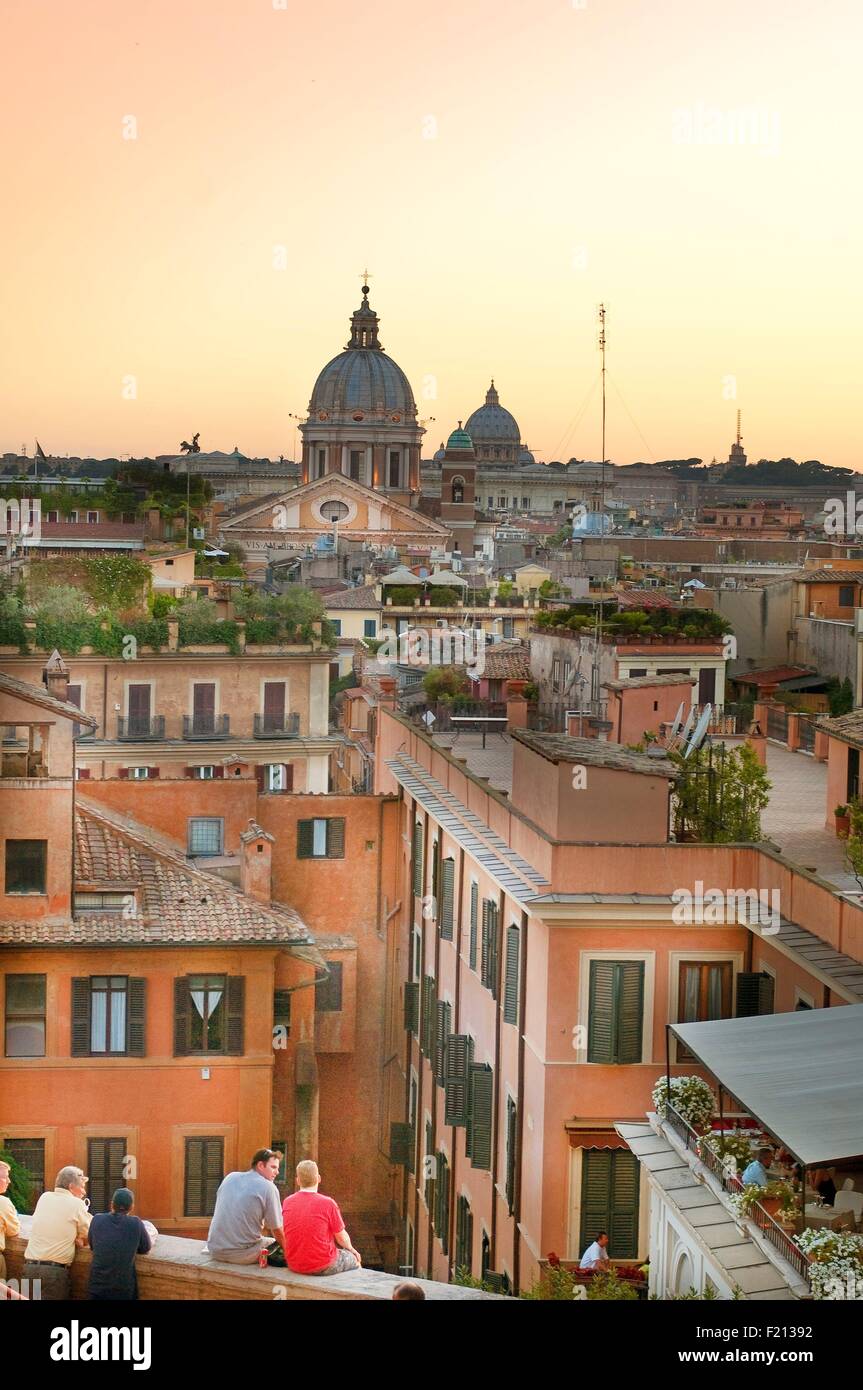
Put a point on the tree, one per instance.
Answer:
(720, 795)
(441, 683)
(20, 1189)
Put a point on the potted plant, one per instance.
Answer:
(691, 1097)
(842, 820)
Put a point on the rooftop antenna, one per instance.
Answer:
(594, 685)
(699, 731)
(739, 439)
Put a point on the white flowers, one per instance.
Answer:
(691, 1097)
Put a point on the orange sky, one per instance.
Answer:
(695, 165)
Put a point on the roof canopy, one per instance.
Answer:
(800, 1074)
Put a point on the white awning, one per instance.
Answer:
(800, 1074)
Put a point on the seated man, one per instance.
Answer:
(755, 1174)
(116, 1237)
(314, 1228)
(60, 1225)
(596, 1255)
(9, 1223)
(245, 1203)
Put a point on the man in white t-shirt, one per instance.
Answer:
(596, 1255)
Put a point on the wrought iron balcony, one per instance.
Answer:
(138, 729)
(206, 728)
(286, 727)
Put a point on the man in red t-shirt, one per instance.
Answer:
(316, 1241)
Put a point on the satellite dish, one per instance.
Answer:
(676, 722)
(684, 732)
(699, 732)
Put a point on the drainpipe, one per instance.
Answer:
(519, 1138)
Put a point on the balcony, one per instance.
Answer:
(141, 729)
(206, 729)
(288, 726)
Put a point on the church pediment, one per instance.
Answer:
(318, 504)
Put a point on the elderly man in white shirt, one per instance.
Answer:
(596, 1255)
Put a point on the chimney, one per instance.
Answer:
(256, 860)
(173, 634)
(55, 676)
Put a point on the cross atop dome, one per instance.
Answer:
(364, 322)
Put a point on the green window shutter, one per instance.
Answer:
(429, 1018)
(236, 1001)
(435, 878)
(182, 1010)
(447, 899)
(417, 859)
(493, 948)
(429, 1167)
(511, 1141)
(137, 1027)
(474, 914)
(401, 1144)
(616, 1011)
(510, 991)
(412, 1006)
(481, 1113)
(754, 993)
(81, 1017)
(457, 1058)
(443, 1026)
(305, 839)
(485, 943)
(336, 837)
(609, 1200)
(445, 1179)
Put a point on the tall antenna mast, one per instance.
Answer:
(738, 430)
(596, 707)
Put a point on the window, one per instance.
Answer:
(106, 1167)
(138, 707)
(510, 988)
(328, 992)
(508, 627)
(442, 1199)
(636, 671)
(73, 517)
(480, 1113)
(490, 945)
(511, 1145)
(204, 708)
(108, 1013)
(204, 1170)
(555, 676)
(334, 510)
(337, 626)
(25, 1015)
(609, 1200)
(370, 627)
(26, 862)
(704, 993)
(322, 462)
(417, 858)
(321, 839)
(30, 1153)
(429, 1166)
(275, 693)
(209, 1014)
(275, 777)
(447, 899)
(94, 516)
(395, 468)
(846, 595)
(615, 1018)
(474, 923)
(203, 773)
(103, 902)
(282, 1011)
(356, 465)
(205, 835)
(525, 504)
(463, 1236)
(138, 774)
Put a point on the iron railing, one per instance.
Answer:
(760, 1217)
(206, 728)
(806, 734)
(288, 726)
(137, 729)
(777, 723)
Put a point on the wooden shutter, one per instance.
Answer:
(615, 1020)
(289, 777)
(204, 705)
(609, 1200)
(412, 1006)
(305, 839)
(484, 944)
(122, 772)
(139, 706)
(182, 1016)
(435, 877)
(428, 1167)
(235, 992)
(153, 772)
(274, 704)
(481, 1113)
(336, 837)
(443, 1025)
(457, 1059)
(511, 1141)
(188, 772)
(490, 939)
(447, 899)
(218, 772)
(510, 991)
(204, 1172)
(474, 916)
(417, 859)
(754, 993)
(136, 1033)
(105, 1165)
(83, 774)
(401, 1144)
(81, 1017)
(429, 1017)
(444, 1179)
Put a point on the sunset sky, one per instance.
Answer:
(500, 166)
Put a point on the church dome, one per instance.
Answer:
(439, 453)
(492, 423)
(526, 458)
(459, 439)
(362, 380)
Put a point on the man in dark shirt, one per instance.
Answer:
(116, 1237)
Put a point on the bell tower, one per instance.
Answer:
(458, 491)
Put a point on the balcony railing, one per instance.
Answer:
(760, 1217)
(213, 727)
(288, 726)
(139, 728)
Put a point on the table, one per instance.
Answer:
(821, 1218)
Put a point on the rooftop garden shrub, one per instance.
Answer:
(691, 1097)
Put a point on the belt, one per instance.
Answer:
(55, 1264)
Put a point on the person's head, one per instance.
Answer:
(602, 1239)
(308, 1176)
(73, 1179)
(123, 1200)
(408, 1291)
(5, 1176)
(267, 1162)
(765, 1157)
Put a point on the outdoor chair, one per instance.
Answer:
(850, 1201)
